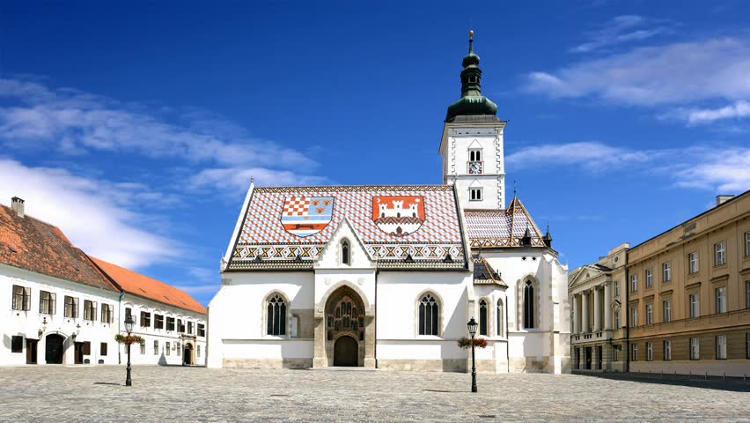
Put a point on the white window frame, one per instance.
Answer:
(475, 155)
(634, 316)
(693, 263)
(633, 283)
(694, 309)
(695, 348)
(747, 294)
(649, 314)
(634, 352)
(479, 191)
(720, 299)
(666, 310)
(720, 253)
(617, 288)
(666, 271)
(649, 351)
(721, 347)
(667, 345)
(747, 244)
(649, 278)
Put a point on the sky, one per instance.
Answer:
(136, 126)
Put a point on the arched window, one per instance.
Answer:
(528, 306)
(345, 253)
(428, 315)
(276, 323)
(483, 315)
(500, 316)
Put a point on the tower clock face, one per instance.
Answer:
(475, 168)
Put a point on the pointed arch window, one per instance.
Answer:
(428, 315)
(528, 305)
(276, 319)
(346, 257)
(500, 317)
(483, 317)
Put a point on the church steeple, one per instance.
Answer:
(472, 102)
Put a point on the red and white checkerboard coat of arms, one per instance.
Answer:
(304, 216)
(398, 215)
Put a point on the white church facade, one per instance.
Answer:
(388, 276)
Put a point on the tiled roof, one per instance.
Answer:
(484, 274)
(37, 246)
(147, 287)
(429, 228)
(501, 228)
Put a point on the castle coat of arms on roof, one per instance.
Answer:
(304, 216)
(398, 215)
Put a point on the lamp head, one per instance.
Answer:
(472, 326)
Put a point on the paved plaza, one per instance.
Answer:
(54, 393)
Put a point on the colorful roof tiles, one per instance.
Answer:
(502, 228)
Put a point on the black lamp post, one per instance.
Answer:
(129, 328)
(472, 326)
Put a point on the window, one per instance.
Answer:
(747, 294)
(145, 319)
(180, 326)
(190, 328)
(475, 155)
(617, 319)
(143, 348)
(649, 314)
(167, 347)
(201, 329)
(106, 313)
(747, 345)
(616, 353)
(47, 302)
(16, 344)
(276, 320)
(528, 305)
(428, 315)
(128, 313)
(158, 321)
(483, 311)
(617, 289)
(103, 348)
(86, 348)
(634, 352)
(747, 244)
(649, 351)
(198, 351)
(667, 350)
(170, 323)
(666, 310)
(179, 349)
(21, 298)
(649, 278)
(720, 253)
(695, 349)
(693, 263)
(666, 271)
(500, 315)
(693, 305)
(633, 283)
(345, 253)
(89, 310)
(721, 347)
(71, 307)
(156, 347)
(475, 194)
(720, 295)
(633, 316)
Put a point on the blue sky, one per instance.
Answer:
(136, 126)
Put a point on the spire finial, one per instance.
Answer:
(514, 188)
(471, 41)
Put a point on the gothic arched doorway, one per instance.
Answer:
(345, 328)
(346, 352)
(54, 349)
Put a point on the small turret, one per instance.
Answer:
(547, 238)
(526, 240)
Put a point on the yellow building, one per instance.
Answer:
(688, 295)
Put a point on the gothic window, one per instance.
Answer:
(276, 319)
(428, 315)
(500, 315)
(345, 252)
(483, 315)
(528, 305)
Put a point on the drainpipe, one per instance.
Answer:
(119, 309)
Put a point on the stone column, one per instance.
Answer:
(584, 311)
(607, 302)
(597, 310)
(575, 313)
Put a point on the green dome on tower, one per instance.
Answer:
(472, 102)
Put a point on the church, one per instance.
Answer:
(387, 276)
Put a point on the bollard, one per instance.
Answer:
(706, 378)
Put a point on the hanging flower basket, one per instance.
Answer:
(478, 342)
(129, 339)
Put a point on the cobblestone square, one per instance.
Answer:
(55, 393)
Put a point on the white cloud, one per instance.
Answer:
(239, 178)
(96, 216)
(712, 168)
(621, 29)
(649, 76)
(739, 109)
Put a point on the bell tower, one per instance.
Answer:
(472, 142)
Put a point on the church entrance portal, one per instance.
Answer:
(54, 351)
(345, 352)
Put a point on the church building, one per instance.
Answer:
(388, 276)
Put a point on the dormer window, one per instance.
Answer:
(475, 194)
(345, 253)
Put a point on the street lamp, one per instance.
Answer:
(472, 326)
(129, 328)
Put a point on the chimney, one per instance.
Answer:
(16, 203)
(720, 199)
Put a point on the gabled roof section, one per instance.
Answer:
(401, 226)
(484, 274)
(30, 244)
(144, 286)
(502, 228)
